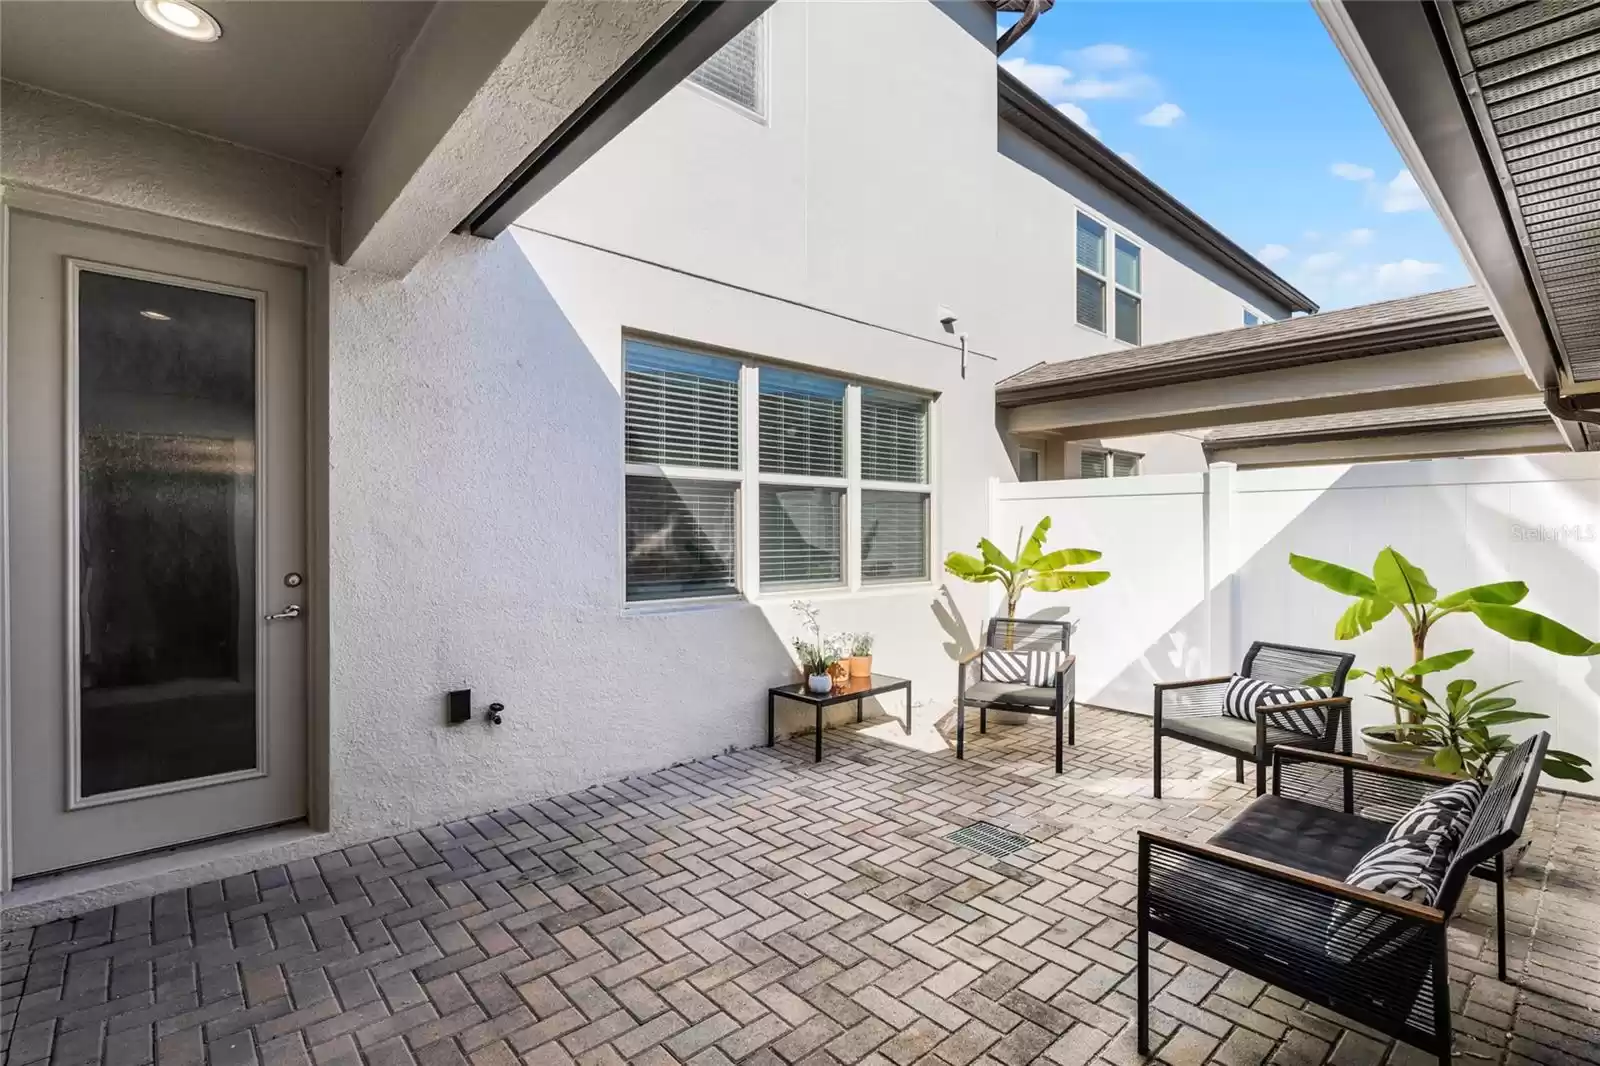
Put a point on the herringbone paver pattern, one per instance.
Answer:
(758, 908)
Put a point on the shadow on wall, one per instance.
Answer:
(1461, 534)
(476, 537)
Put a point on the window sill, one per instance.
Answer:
(836, 593)
(687, 606)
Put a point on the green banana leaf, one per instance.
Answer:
(995, 557)
(1034, 549)
(1068, 580)
(1340, 579)
(1066, 557)
(1399, 581)
(964, 566)
(1532, 628)
(1448, 660)
(1502, 592)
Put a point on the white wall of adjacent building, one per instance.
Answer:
(1200, 570)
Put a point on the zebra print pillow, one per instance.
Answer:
(1448, 811)
(1037, 668)
(1245, 694)
(1411, 868)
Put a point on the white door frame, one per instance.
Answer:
(314, 263)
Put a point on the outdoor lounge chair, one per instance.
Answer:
(1268, 894)
(1193, 711)
(1055, 699)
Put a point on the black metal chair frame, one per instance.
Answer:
(1271, 920)
(1064, 705)
(1337, 736)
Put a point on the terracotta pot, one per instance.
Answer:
(860, 666)
(840, 672)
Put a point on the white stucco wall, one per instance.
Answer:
(59, 144)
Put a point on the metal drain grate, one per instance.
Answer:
(989, 839)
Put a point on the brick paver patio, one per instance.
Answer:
(757, 908)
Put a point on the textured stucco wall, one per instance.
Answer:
(476, 487)
(63, 145)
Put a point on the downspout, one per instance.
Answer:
(1564, 408)
(1031, 10)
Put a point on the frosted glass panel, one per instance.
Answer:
(167, 533)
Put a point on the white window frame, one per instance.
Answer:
(1107, 276)
(748, 475)
(763, 78)
(1110, 455)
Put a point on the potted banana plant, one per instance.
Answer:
(1398, 587)
(1030, 567)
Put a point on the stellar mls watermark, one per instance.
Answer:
(1570, 532)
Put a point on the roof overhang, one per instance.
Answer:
(1030, 113)
(1512, 425)
(1493, 109)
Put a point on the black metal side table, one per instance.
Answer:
(858, 689)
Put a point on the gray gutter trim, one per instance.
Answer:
(1351, 343)
(1261, 436)
(1029, 112)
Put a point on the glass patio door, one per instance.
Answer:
(156, 408)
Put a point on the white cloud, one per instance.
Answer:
(1359, 237)
(1163, 114)
(1352, 172)
(1092, 88)
(1405, 277)
(1322, 261)
(1105, 56)
(1046, 79)
(1078, 115)
(1273, 253)
(1402, 194)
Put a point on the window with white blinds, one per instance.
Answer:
(680, 408)
(894, 436)
(735, 72)
(894, 536)
(834, 491)
(1107, 464)
(682, 538)
(802, 424)
(802, 536)
(1119, 281)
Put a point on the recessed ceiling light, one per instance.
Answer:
(181, 18)
(157, 315)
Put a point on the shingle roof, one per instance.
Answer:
(1468, 414)
(1429, 320)
(1030, 113)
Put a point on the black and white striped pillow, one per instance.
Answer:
(1244, 694)
(1410, 868)
(1310, 720)
(1037, 668)
(1448, 811)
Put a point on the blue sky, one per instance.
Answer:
(1247, 113)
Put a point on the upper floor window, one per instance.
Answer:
(1127, 317)
(1122, 284)
(1251, 318)
(829, 457)
(737, 71)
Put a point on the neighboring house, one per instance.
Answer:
(745, 353)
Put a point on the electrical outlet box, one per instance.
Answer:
(460, 705)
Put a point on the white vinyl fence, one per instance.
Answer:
(1200, 569)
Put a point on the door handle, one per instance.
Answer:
(291, 611)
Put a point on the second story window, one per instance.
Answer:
(737, 71)
(1091, 254)
(1128, 303)
(1251, 318)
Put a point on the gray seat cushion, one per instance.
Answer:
(1015, 695)
(1230, 733)
(1302, 835)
